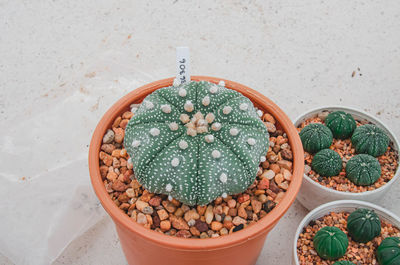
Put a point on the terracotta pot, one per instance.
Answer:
(146, 247)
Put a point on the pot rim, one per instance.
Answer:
(252, 231)
(372, 119)
(327, 207)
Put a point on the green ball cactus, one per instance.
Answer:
(388, 252)
(327, 163)
(195, 142)
(363, 225)
(370, 139)
(363, 170)
(343, 262)
(330, 243)
(341, 124)
(316, 137)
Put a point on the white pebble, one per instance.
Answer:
(188, 106)
(259, 113)
(251, 141)
(166, 108)
(221, 83)
(206, 101)
(223, 178)
(209, 138)
(168, 187)
(243, 106)
(216, 126)
(227, 109)
(213, 89)
(173, 126)
(175, 162)
(184, 118)
(210, 117)
(170, 198)
(182, 92)
(154, 131)
(224, 195)
(176, 82)
(234, 131)
(183, 144)
(135, 143)
(129, 160)
(262, 159)
(149, 105)
(216, 154)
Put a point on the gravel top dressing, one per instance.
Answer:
(220, 217)
(344, 147)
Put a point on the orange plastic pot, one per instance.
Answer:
(146, 247)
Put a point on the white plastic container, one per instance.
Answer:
(312, 194)
(341, 206)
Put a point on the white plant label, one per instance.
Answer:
(183, 64)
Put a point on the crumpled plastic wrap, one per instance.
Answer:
(46, 198)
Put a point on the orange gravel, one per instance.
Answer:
(358, 253)
(389, 162)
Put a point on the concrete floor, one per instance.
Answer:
(78, 57)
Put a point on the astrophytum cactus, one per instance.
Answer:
(196, 141)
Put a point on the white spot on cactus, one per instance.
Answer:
(221, 83)
(168, 187)
(216, 126)
(154, 131)
(170, 198)
(210, 117)
(227, 109)
(224, 195)
(213, 89)
(209, 138)
(176, 82)
(182, 92)
(234, 131)
(205, 101)
(129, 160)
(243, 106)
(216, 154)
(135, 143)
(191, 132)
(173, 126)
(188, 106)
(223, 178)
(251, 141)
(175, 162)
(184, 118)
(259, 113)
(183, 144)
(148, 104)
(166, 108)
(201, 129)
(262, 159)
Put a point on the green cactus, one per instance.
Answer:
(196, 142)
(330, 243)
(316, 137)
(370, 139)
(363, 225)
(343, 262)
(341, 124)
(388, 252)
(363, 170)
(327, 163)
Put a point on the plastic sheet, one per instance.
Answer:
(46, 199)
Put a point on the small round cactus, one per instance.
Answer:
(370, 139)
(341, 124)
(316, 137)
(363, 170)
(196, 141)
(327, 163)
(343, 262)
(330, 243)
(388, 252)
(363, 225)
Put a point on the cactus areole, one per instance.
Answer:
(196, 141)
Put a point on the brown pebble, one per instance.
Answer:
(201, 209)
(169, 206)
(285, 164)
(216, 226)
(231, 203)
(194, 231)
(191, 215)
(165, 225)
(178, 223)
(162, 214)
(242, 212)
(184, 234)
(287, 154)
(155, 201)
(276, 168)
(201, 226)
(119, 135)
(119, 186)
(141, 219)
(232, 211)
(238, 220)
(256, 205)
(140, 205)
